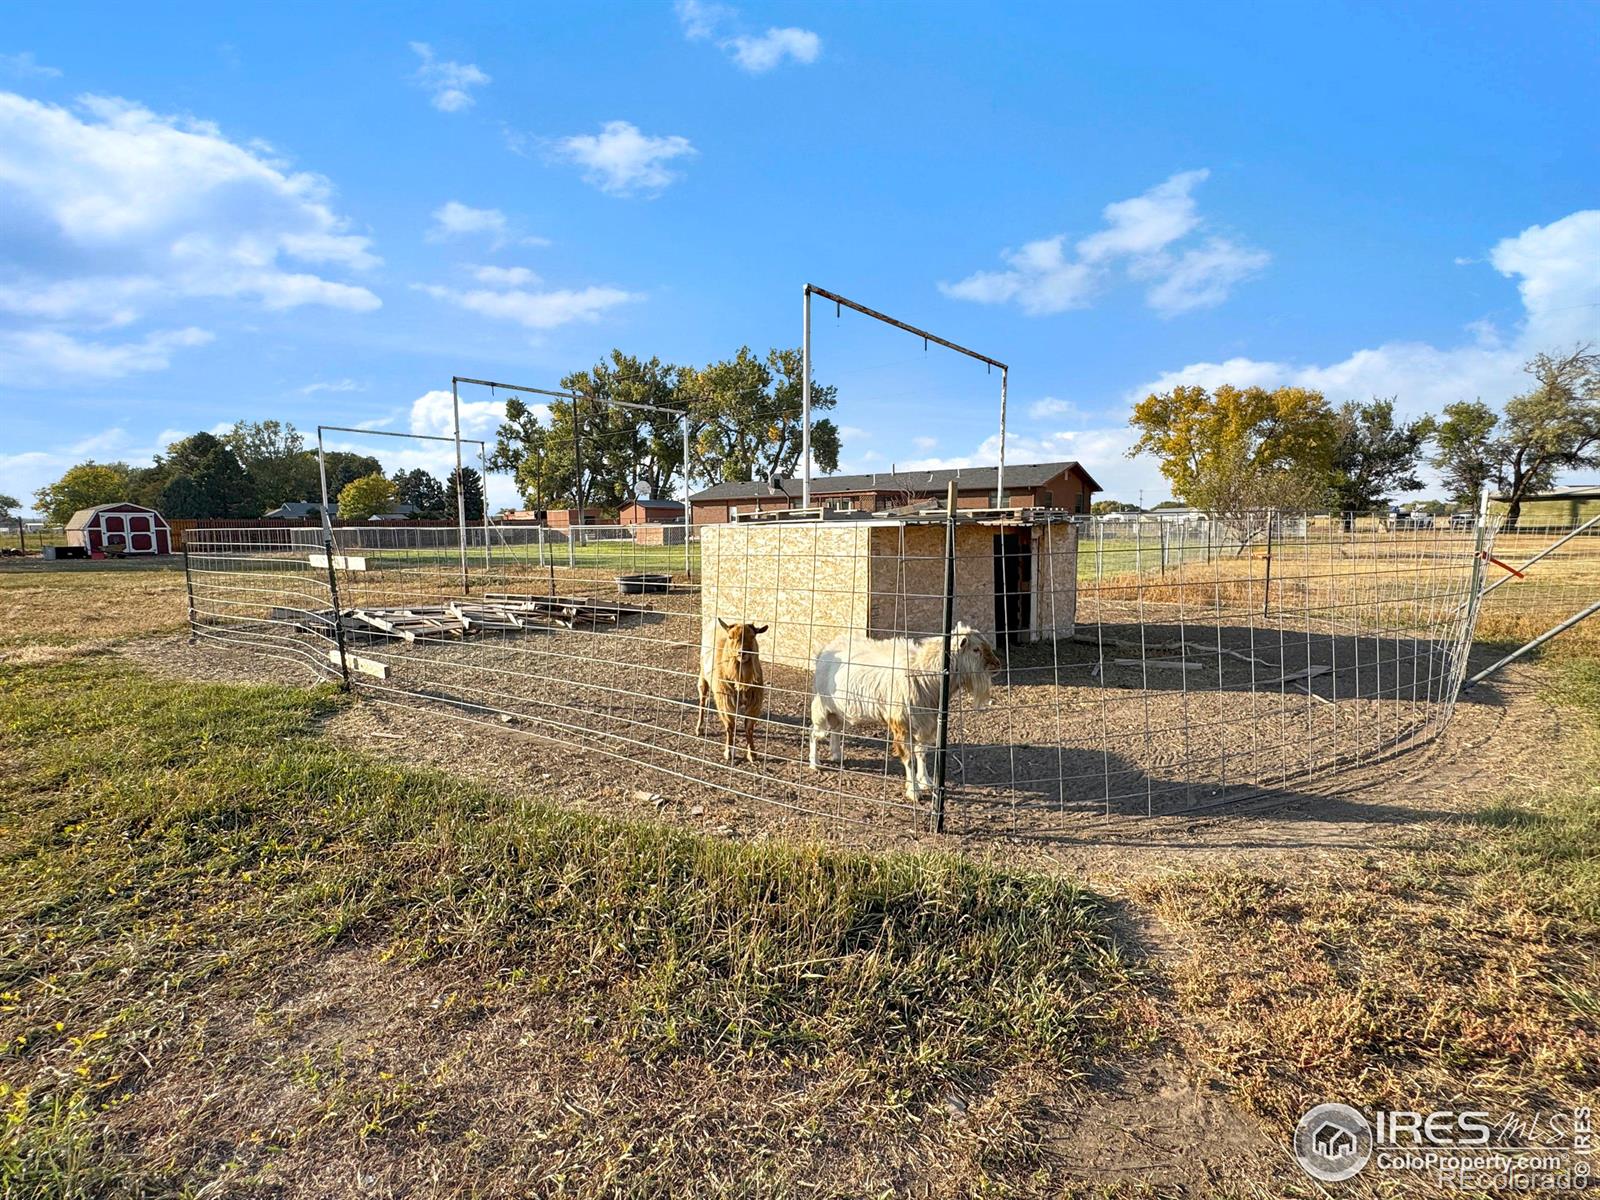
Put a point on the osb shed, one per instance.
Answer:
(811, 580)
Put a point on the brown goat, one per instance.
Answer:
(730, 673)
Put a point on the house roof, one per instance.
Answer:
(967, 479)
(83, 516)
(293, 510)
(664, 505)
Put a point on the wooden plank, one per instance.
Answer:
(1174, 664)
(355, 662)
(341, 562)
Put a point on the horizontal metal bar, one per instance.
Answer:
(427, 437)
(533, 391)
(1533, 645)
(921, 333)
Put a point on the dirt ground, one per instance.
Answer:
(1347, 809)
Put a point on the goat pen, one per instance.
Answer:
(1148, 666)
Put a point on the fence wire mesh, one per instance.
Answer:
(1138, 666)
(1560, 578)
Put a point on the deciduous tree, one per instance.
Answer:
(270, 452)
(420, 490)
(1239, 450)
(1465, 451)
(83, 486)
(1552, 427)
(1375, 455)
(365, 498)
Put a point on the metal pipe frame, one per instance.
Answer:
(812, 289)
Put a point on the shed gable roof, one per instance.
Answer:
(965, 479)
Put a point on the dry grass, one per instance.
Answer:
(65, 606)
(1425, 975)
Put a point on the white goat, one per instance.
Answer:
(894, 682)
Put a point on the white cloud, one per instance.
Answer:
(1041, 280)
(1203, 276)
(924, 443)
(43, 357)
(109, 239)
(755, 53)
(1147, 223)
(448, 84)
(1141, 235)
(535, 309)
(701, 20)
(623, 161)
(759, 54)
(434, 413)
(1558, 266)
(1049, 407)
(505, 276)
(1555, 269)
(334, 385)
(25, 66)
(455, 219)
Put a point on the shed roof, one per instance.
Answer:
(664, 505)
(965, 479)
(1573, 491)
(83, 516)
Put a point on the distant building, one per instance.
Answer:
(1558, 508)
(403, 511)
(651, 512)
(293, 510)
(1057, 485)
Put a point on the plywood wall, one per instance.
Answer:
(811, 583)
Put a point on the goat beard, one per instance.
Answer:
(979, 685)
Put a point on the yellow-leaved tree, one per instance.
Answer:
(1236, 451)
(365, 498)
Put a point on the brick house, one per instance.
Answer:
(1057, 485)
(651, 512)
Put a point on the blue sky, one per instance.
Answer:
(322, 212)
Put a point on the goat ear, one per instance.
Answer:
(723, 623)
(759, 628)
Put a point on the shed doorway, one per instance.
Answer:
(1013, 585)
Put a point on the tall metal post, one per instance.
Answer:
(483, 464)
(1000, 472)
(943, 737)
(805, 398)
(461, 491)
(322, 470)
(688, 513)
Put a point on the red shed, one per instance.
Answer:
(123, 527)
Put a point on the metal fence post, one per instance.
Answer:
(943, 737)
(188, 587)
(338, 613)
(1266, 591)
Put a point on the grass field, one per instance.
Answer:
(243, 959)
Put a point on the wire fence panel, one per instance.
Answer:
(1560, 567)
(1096, 666)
